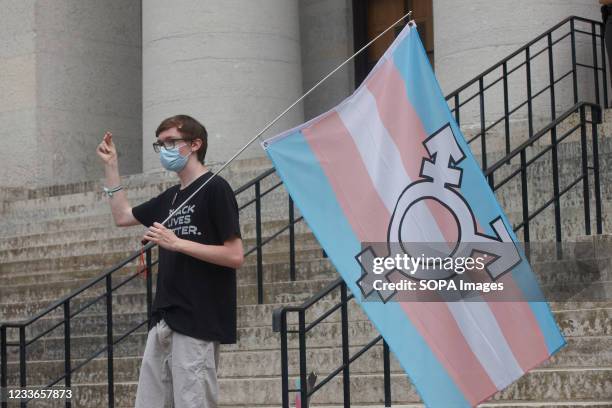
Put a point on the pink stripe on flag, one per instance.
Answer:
(517, 322)
(399, 117)
(434, 321)
(342, 164)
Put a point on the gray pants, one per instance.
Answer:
(177, 371)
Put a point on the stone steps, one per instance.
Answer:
(240, 172)
(254, 363)
(496, 143)
(542, 384)
(274, 292)
(306, 268)
(254, 315)
(18, 216)
(568, 149)
(110, 231)
(592, 327)
(575, 318)
(107, 260)
(84, 233)
(591, 330)
(10, 230)
(16, 283)
(95, 202)
(274, 280)
(249, 338)
(122, 303)
(542, 228)
(305, 245)
(100, 226)
(285, 293)
(47, 284)
(147, 185)
(538, 195)
(272, 272)
(80, 207)
(92, 246)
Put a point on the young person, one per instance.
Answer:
(200, 249)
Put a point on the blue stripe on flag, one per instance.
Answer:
(413, 64)
(305, 180)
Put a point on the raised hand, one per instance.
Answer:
(106, 150)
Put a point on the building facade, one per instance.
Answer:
(74, 68)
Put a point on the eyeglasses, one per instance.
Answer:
(167, 145)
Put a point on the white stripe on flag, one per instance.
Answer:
(483, 334)
(381, 157)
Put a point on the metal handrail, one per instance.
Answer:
(522, 49)
(552, 125)
(525, 55)
(75, 293)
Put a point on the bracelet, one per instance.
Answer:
(110, 191)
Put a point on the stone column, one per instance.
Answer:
(472, 35)
(232, 64)
(21, 164)
(70, 70)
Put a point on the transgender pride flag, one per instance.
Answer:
(351, 170)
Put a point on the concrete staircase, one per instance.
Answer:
(56, 239)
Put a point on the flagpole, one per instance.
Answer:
(283, 113)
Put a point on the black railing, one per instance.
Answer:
(510, 89)
(65, 307)
(524, 151)
(260, 241)
(282, 319)
(70, 306)
(586, 149)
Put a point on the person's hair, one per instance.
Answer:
(189, 128)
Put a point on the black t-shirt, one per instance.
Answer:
(194, 297)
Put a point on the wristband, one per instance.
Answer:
(110, 191)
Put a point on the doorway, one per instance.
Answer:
(371, 17)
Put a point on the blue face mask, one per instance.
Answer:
(172, 160)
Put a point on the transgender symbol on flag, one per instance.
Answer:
(440, 181)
